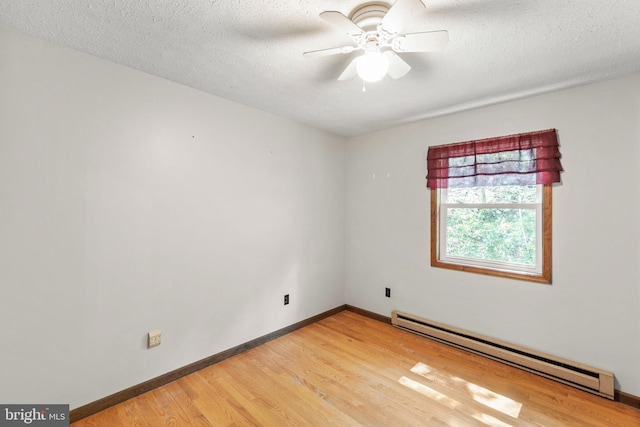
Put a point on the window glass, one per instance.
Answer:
(493, 230)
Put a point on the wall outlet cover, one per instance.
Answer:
(154, 338)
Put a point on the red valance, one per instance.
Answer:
(522, 159)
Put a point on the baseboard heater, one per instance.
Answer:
(593, 380)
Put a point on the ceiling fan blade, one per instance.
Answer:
(397, 66)
(350, 71)
(401, 12)
(342, 23)
(331, 51)
(432, 41)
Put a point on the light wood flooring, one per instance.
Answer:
(350, 370)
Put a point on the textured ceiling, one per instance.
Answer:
(250, 51)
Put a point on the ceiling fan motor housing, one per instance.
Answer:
(369, 15)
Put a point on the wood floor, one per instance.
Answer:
(350, 370)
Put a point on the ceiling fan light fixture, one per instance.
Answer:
(372, 66)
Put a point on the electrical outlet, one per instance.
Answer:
(387, 292)
(286, 299)
(154, 338)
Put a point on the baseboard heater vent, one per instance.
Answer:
(581, 376)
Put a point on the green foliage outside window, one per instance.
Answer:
(505, 235)
(476, 229)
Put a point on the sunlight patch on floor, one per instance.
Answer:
(451, 403)
(480, 394)
(429, 392)
(490, 421)
(464, 390)
(494, 400)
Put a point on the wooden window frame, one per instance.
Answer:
(544, 277)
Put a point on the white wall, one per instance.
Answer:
(129, 203)
(591, 312)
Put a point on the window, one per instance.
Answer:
(491, 205)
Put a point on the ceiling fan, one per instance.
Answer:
(376, 29)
